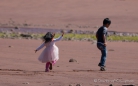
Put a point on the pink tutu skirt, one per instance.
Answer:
(49, 54)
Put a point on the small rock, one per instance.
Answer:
(125, 40)
(72, 60)
(67, 26)
(69, 38)
(25, 24)
(96, 27)
(120, 34)
(12, 30)
(26, 83)
(16, 28)
(70, 31)
(126, 34)
(10, 46)
(110, 85)
(62, 31)
(111, 50)
(26, 35)
(78, 85)
(89, 39)
(128, 85)
(70, 85)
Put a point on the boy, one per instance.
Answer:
(101, 36)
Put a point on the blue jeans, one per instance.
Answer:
(103, 50)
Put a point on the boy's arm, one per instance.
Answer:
(104, 39)
(104, 36)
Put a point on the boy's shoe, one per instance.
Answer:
(50, 67)
(100, 65)
(102, 69)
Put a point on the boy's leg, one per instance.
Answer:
(103, 59)
(102, 48)
(103, 56)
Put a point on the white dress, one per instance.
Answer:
(50, 53)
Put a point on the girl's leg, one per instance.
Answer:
(50, 67)
(47, 67)
(51, 63)
(54, 62)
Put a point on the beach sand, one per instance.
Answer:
(19, 64)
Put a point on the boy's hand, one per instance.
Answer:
(105, 44)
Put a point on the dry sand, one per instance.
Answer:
(61, 13)
(19, 64)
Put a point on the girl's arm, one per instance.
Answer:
(58, 39)
(40, 47)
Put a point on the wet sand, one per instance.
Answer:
(76, 14)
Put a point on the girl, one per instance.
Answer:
(50, 54)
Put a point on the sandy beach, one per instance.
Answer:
(19, 65)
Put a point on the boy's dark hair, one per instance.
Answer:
(106, 21)
(48, 37)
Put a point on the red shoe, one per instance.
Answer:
(46, 70)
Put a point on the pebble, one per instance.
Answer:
(70, 85)
(128, 85)
(26, 83)
(70, 31)
(110, 85)
(16, 28)
(10, 46)
(111, 50)
(72, 60)
(78, 85)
